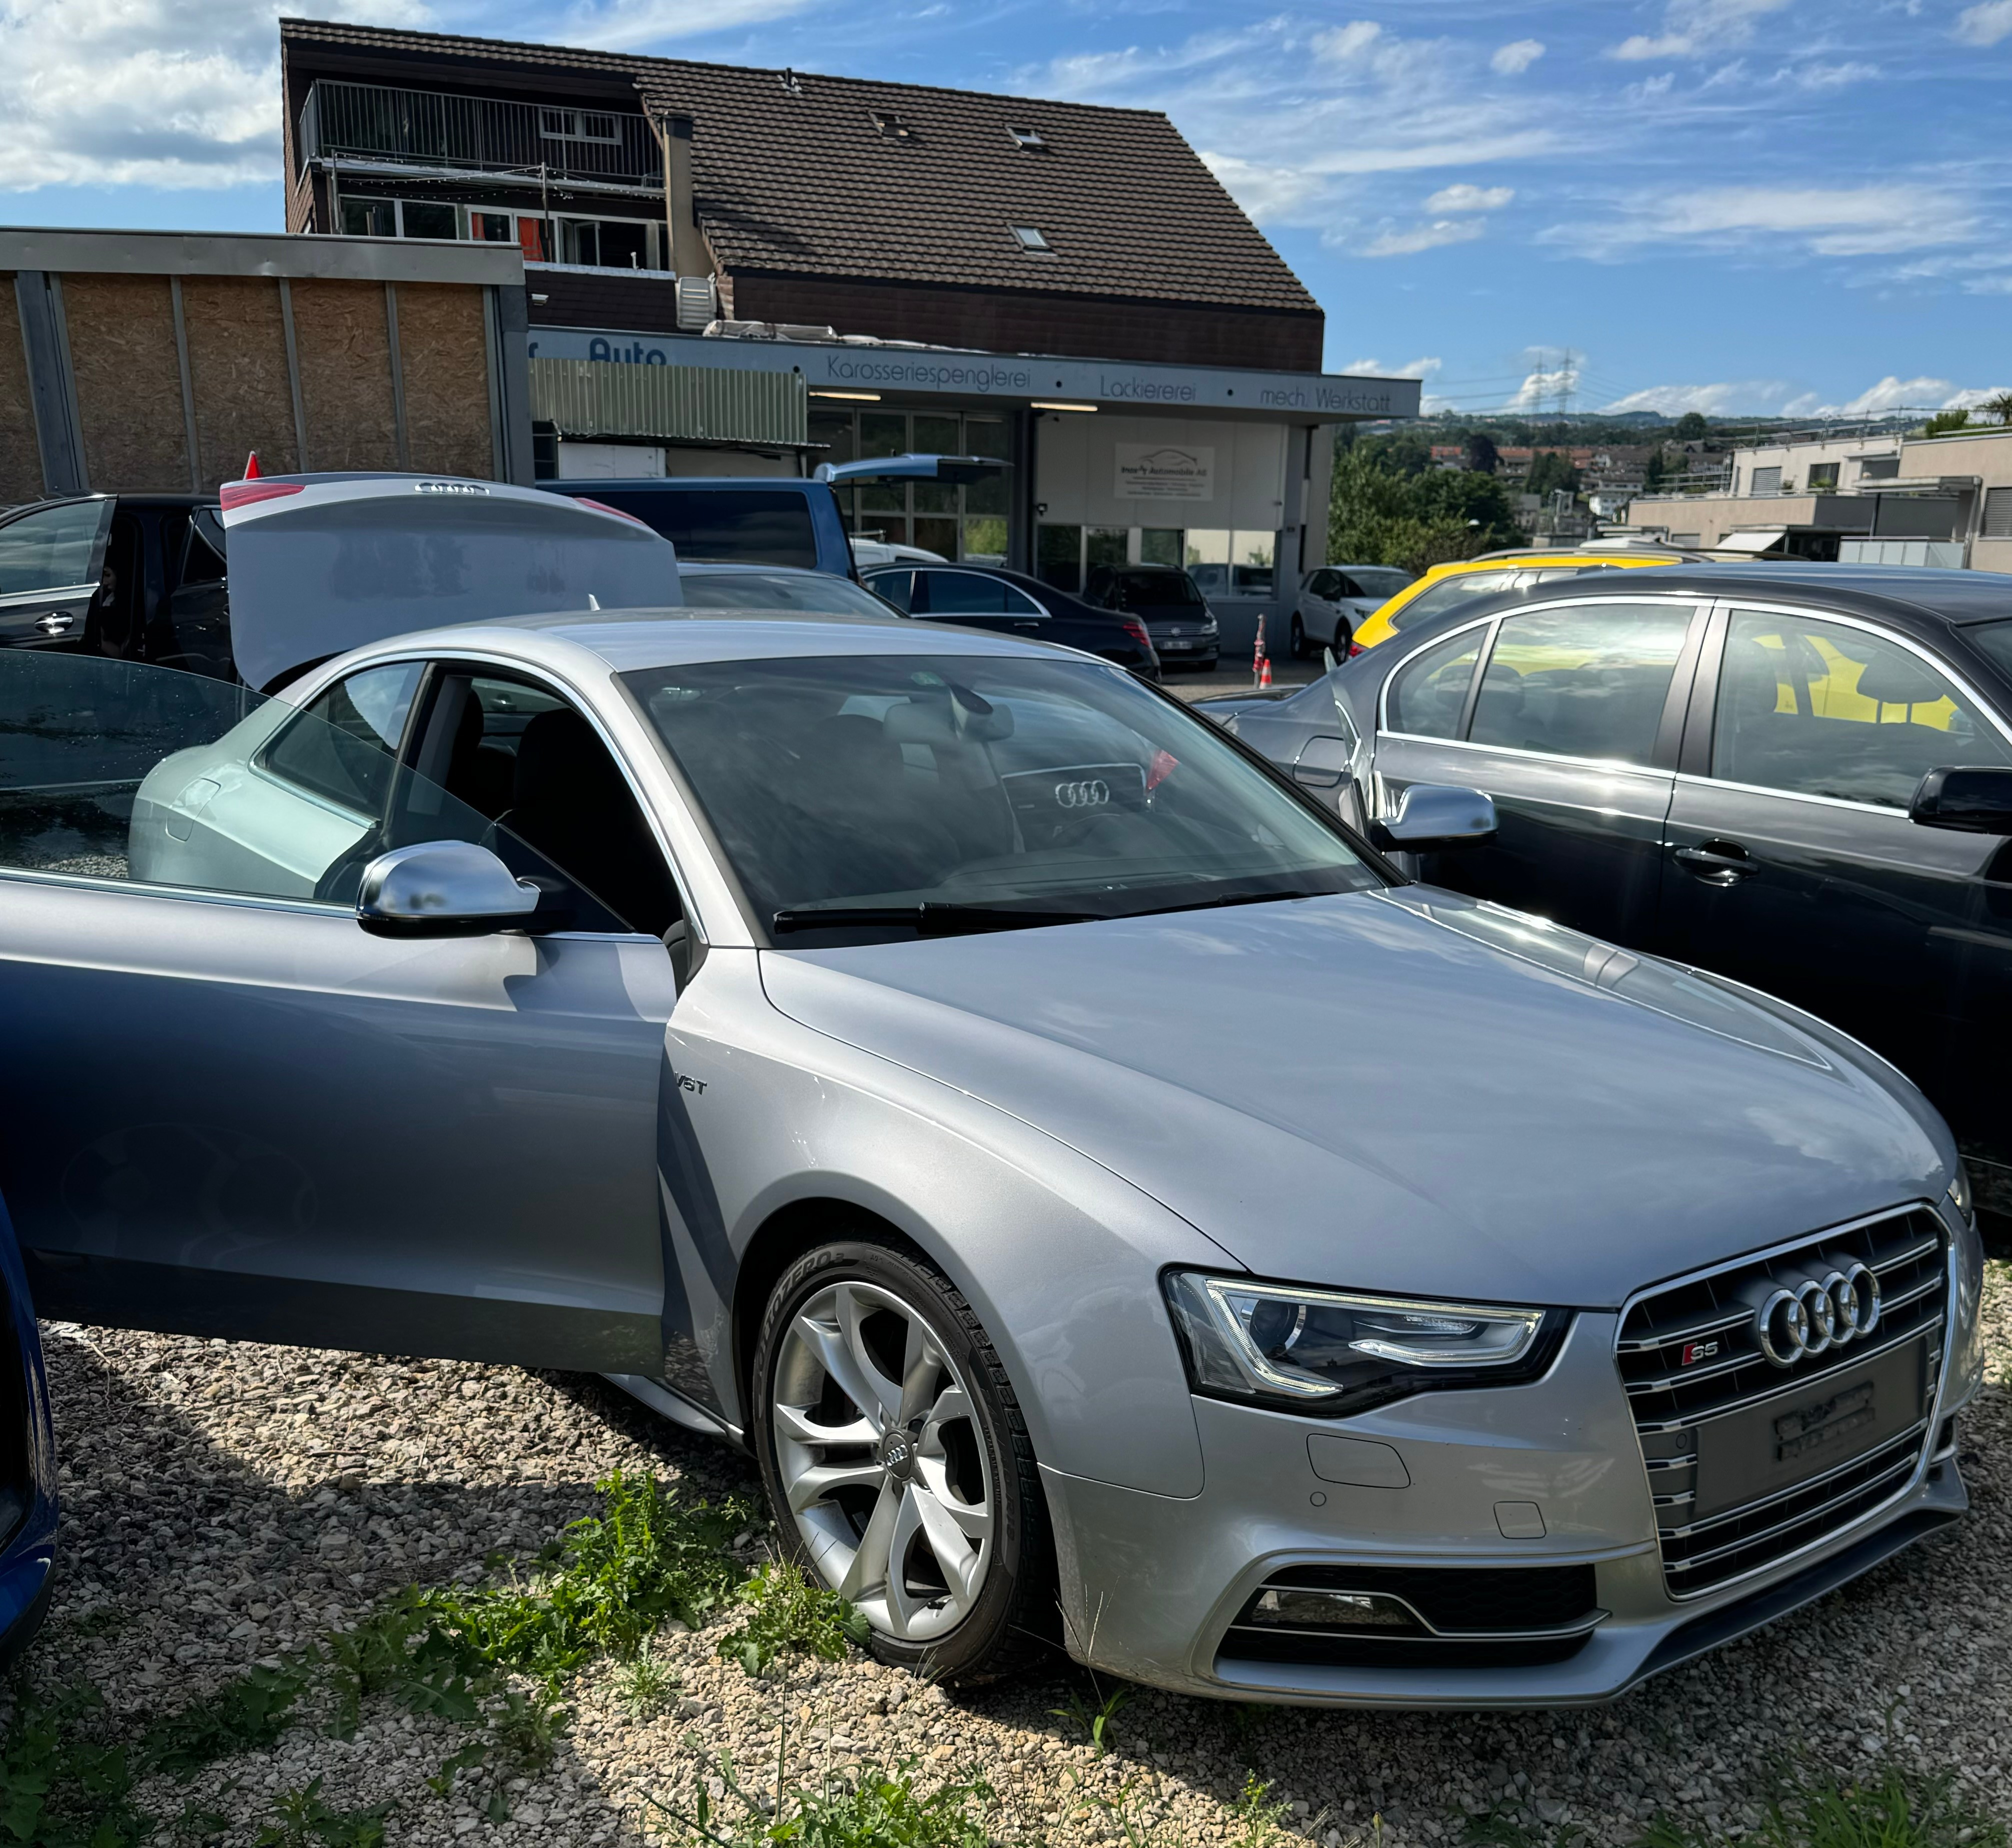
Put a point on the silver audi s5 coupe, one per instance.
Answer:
(1111, 1203)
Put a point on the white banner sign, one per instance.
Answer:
(1165, 471)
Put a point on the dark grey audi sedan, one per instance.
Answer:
(1798, 776)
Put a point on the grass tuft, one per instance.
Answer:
(301, 1820)
(877, 1809)
(60, 1785)
(1814, 1811)
(787, 1611)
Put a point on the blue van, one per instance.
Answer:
(742, 519)
(734, 519)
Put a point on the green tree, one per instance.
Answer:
(1383, 514)
(1481, 452)
(1655, 471)
(1944, 422)
(1549, 471)
(2001, 407)
(1691, 426)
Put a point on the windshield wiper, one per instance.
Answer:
(927, 920)
(1231, 898)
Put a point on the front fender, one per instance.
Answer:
(1058, 1257)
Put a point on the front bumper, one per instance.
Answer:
(1151, 1585)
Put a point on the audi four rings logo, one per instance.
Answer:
(1091, 794)
(1812, 1316)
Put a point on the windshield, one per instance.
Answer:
(974, 782)
(1450, 594)
(1149, 590)
(822, 593)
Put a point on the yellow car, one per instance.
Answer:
(1446, 586)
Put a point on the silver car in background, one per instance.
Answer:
(1110, 1204)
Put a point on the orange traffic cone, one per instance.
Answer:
(1264, 673)
(251, 466)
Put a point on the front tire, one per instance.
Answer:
(897, 1462)
(1298, 637)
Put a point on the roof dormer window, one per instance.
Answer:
(894, 127)
(1027, 138)
(1032, 239)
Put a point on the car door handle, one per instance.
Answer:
(54, 623)
(1718, 863)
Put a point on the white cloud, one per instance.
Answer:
(148, 93)
(1985, 24)
(1694, 28)
(1470, 198)
(1411, 368)
(1347, 41)
(1724, 399)
(1826, 76)
(1360, 99)
(1969, 398)
(628, 25)
(1828, 221)
(1512, 60)
(1425, 237)
(1543, 386)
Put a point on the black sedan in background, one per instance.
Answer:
(1163, 597)
(990, 596)
(1797, 776)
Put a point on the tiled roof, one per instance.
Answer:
(807, 181)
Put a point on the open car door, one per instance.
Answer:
(228, 1108)
(321, 564)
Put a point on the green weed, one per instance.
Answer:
(1095, 1720)
(878, 1809)
(244, 1715)
(527, 1728)
(301, 1820)
(1813, 1811)
(787, 1611)
(646, 1686)
(468, 1758)
(60, 1785)
(1259, 1821)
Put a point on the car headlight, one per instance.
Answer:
(1958, 1194)
(1327, 1350)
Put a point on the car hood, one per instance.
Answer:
(1406, 1091)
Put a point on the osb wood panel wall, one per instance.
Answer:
(237, 364)
(20, 456)
(128, 384)
(345, 352)
(128, 390)
(444, 347)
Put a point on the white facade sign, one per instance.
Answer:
(1165, 471)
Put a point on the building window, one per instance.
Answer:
(1823, 478)
(1162, 545)
(577, 125)
(892, 126)
(1768, 481)
(370, 218)
(1878, 468)
(1027, 138)
(1997, 513)
(1029, 237)
(1058, 556)
(491, 227)
(969, 524)
(429, 218)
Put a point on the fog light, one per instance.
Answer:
(1289, 1609)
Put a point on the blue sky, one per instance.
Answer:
(1780, 205)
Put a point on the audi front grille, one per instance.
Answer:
(1781, 1399)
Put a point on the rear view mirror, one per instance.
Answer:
(1971, 801)
(1434, 815)
(442, 888)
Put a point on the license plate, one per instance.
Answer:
(1796, 1436)
(1169, 647)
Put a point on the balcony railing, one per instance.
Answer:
(429, 128)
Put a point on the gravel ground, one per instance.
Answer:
(224, 1503)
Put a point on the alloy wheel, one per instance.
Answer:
(882, 1460)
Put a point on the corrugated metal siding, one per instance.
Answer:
(669, 403)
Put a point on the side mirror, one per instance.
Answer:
(1431, 816)
(442, 888)
(1970, 801)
